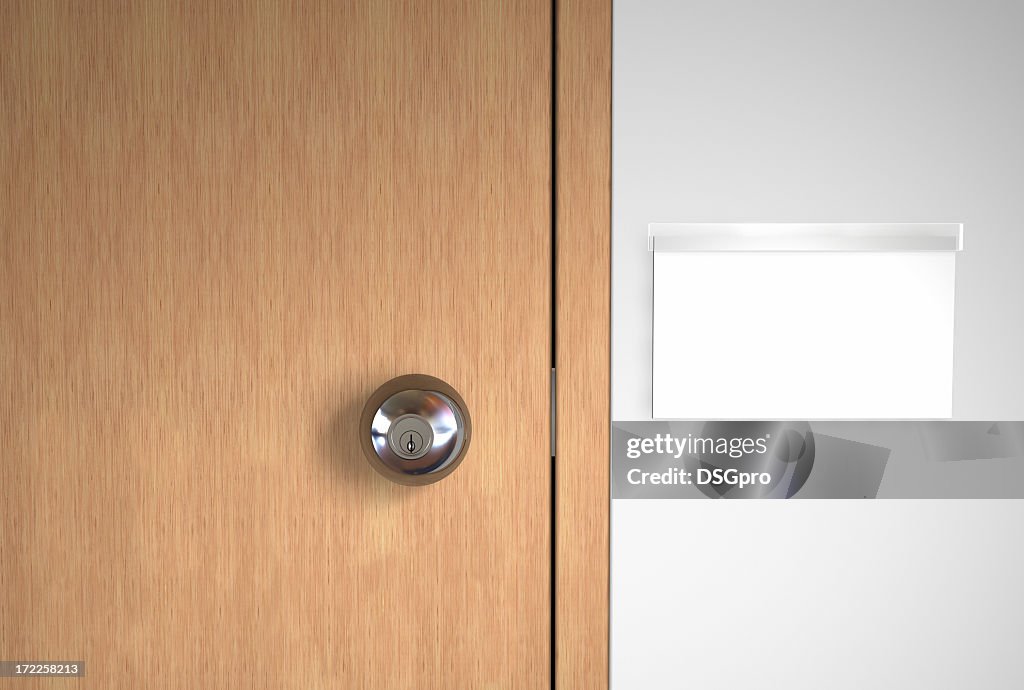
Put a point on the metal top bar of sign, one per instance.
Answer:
(805, 237)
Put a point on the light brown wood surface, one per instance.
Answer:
(222, 225)
(583, 322)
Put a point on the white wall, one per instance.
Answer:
(855, 111)
(806, 595)
(787, 111)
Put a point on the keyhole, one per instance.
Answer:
(410, 440)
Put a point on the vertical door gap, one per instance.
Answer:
(554, 325)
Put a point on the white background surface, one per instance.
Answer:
(825, 111)
(806, 595)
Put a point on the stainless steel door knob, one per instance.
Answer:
(415, 429)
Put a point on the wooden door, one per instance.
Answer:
(222, 226)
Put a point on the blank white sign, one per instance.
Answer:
(804, 335)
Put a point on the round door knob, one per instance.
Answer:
(415, 429)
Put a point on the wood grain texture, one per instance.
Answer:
(223, 225)
(583, 262)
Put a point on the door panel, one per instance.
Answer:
(225, 225)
